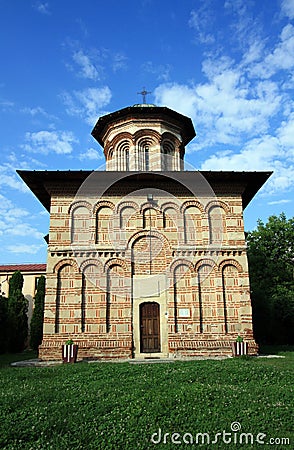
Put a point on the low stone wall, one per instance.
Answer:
(88, 349)
(181, 346)
(97, 348)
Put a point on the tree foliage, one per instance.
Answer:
(17, 319)
(36, 330)
(271, 268)
(3, 324)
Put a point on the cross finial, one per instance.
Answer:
(144, 93)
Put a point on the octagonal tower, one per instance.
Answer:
(144, 137)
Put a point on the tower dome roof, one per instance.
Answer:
(148, 112)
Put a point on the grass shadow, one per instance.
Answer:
(7, 358)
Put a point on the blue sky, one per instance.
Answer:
(227, 64)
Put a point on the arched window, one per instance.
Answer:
(192, 225)
(217, 225)
(231, 296)
(149, 257)
(122, 156)
(80, 225)
(104, 225)
(128, 218)
(206, 292)
(91, 297)
(65, 296)
(182, 290)
(170, 219)
(168, 156)
(114, 287)
(110, 159)
(127, 159)
(146, 157)
(144, 154)
(149, 218)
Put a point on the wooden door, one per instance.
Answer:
(149, 327)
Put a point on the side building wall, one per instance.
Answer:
(31, 274)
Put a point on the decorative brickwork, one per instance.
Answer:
(143, 266)
(95, 295)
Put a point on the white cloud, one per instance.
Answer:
(226, 108)
(37, 111)
(34, 111)
(260, 154)
(6, 105)
(280, 58)
(88, 103)
(24, 248)
(288, 8)
(16, 162)
(161, 71)
(282, 180)
(286, 135)
(42, 7)
(45, 142)
(9, 210)
(87, 68)
(182, 98)
(13, 220)
(254, 52)
(244, 26)
(202, 20)
(91, 154)
(119, 62)
(237, 111)
(279, 202)
(24, 229)
(8, 178)
(93, 63)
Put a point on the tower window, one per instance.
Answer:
(146, 154)
(167, 156)
(127, 159)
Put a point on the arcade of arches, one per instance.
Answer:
(152, 279)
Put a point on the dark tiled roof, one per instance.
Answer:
(23, 267)
(161, 113)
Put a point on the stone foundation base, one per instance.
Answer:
(114, 348)
(210, 347)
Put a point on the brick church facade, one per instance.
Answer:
(146, 259)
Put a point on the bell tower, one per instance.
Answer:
(145, 138)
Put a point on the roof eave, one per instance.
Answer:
(131, 111)
(37, 180)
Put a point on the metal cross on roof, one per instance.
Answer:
(144, 93)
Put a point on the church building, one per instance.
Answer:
(146, 259)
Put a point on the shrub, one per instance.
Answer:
(36, 330)
(17, 323)
(3, 324)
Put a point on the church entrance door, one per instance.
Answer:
(149, 327)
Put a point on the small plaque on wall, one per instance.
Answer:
(184, 312)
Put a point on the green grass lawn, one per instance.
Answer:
(120, 406)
